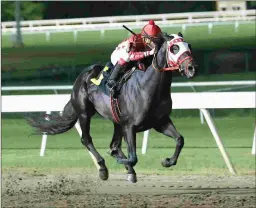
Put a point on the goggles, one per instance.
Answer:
(147, 40)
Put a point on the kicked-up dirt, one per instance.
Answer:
(36, 190)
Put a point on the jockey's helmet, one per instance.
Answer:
(151, 33)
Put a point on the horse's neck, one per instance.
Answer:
(154, 81)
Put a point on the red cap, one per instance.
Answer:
(151, 22)
(151, 29)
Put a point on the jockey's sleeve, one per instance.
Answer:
(135, 56)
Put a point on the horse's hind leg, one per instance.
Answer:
(166, 127)
(85, 120)
(116, 152)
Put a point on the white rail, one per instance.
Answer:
(189, 100)
(180, 84)
(135, 21)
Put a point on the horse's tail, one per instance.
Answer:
(52, 124)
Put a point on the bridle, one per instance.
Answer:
(172, 65)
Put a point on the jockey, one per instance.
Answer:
(135, 48)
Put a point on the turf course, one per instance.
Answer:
(90, 47)
(200, 154)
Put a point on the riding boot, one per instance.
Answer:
(111, 83)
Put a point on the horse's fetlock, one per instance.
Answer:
(101, 162)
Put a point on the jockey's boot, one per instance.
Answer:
(111, 83)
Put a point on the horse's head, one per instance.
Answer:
(179, 55)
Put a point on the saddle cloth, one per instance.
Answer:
(102, 78)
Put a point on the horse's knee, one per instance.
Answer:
(86, 141)
(180, 141)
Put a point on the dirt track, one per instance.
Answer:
(21, 189)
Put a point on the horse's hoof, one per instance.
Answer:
(132, 178)
(103, 174)
(168, 163)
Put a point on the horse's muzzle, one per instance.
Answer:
(188, 70)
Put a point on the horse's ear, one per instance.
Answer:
(180, 34)
(167, 37)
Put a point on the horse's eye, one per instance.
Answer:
(175, 49)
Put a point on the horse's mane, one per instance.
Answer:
(163, 39)
(166, 37)
(162, 43)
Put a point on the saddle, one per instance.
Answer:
(103, 76)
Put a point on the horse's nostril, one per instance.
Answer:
(190, 67)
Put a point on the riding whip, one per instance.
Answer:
(129, 30)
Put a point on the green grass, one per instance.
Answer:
(192, 161)
(61, 50)
(199, 156)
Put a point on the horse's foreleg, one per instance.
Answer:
(166, 127)
(116, 151)
(86, 140)
(130, 137)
